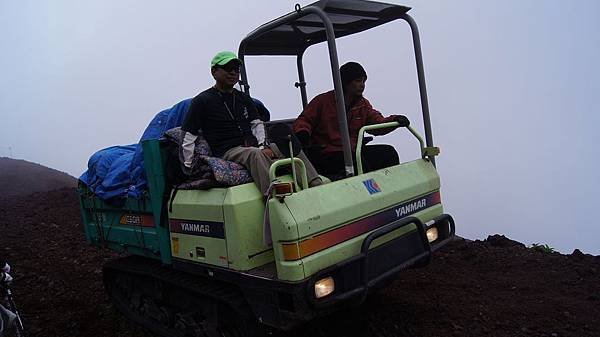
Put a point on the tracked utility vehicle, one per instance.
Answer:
(201, 262)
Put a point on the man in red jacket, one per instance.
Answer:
(317, 127)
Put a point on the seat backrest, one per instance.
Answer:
(268, 125)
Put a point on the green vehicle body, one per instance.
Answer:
(142, 227)
(264, 259)
(312, 230)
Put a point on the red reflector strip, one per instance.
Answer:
(296, 251)
(290, 251)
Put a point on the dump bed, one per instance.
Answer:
(137, 226)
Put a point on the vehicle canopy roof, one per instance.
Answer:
(293, 37)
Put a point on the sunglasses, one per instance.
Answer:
(231, 66)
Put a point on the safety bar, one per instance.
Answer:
(383, 231)
(425, 151)
(359, 293)
(288, 161)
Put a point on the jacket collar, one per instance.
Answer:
(359, 104)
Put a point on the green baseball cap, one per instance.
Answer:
(224, 57)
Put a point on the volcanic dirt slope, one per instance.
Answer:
(495, 287)
(20, 177)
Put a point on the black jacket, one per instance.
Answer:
(223, 119)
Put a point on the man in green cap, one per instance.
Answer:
(230, 123)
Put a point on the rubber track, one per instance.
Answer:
(204, 286)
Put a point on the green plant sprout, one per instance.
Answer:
(544, 248)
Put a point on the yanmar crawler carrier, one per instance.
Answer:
(199, 264)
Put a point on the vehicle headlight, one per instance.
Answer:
(324, 287)
(432, 234)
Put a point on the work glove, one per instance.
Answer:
(402, 120)
(304, 138)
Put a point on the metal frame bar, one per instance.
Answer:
(421, 76)
(335, 70)
(333, 58)
(337, 86)
(301, 80)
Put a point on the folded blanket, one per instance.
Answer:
(206, 171)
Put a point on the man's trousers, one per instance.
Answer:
(258, 164)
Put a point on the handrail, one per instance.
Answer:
(361, 134)
(288, 161)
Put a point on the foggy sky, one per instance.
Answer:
(513, 92)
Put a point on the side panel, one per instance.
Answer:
(284, 229)
(197, 226)
(244, 214)
(129, 228)
(220, 226)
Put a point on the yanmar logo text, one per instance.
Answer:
(200, 228)
(194, 227)
(411, 208)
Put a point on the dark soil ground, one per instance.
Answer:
(495, 287)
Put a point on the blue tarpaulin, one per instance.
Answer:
(118, 172)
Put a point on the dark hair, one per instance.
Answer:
(351, 71)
